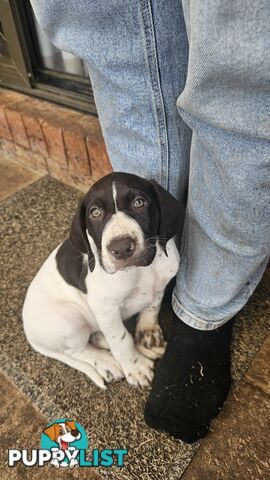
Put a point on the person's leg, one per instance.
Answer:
(226, 103)
(226, 241)
(137, 54)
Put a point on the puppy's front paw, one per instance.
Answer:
(139, 370)
(107, 366)
(150, 337)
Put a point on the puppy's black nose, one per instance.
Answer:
(75, 433)
(122, 247)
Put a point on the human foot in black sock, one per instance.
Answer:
(191, 382)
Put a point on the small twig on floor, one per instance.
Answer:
(141, 444)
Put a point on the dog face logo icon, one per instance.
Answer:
(64, 436)
(63, 433)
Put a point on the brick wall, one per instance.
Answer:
(64, 143)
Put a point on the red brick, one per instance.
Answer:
(76, 151)
(35, 135)
(7, 146)
(8, 97)
(57, 170)
(99, 159)
(36, 161)
(47, 112)
(17, 127)
(54, 142)
(24, 156)
(91, 126)
(4, 128)
(82, 182)
(63, 142)
(73, 179)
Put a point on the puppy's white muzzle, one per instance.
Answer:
(122, 242)
(68, 437)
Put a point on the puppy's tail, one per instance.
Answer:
(74, 363)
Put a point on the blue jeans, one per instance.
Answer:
(182, 93)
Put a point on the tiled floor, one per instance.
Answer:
(236, 448)
(239, 446)
(22, 424)
(14, 177)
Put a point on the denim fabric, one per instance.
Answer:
(183, 97)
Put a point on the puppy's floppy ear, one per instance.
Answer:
(50, 431)
(172, 215)
(78, 235)
(78, 229)
(71, 424)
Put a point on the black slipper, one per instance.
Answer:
(191, 382)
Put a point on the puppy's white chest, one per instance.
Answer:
(140, 296)
(151, 281)
(135, 289)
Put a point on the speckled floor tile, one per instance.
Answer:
(259, 372)
(14, 177)
(34, 221)
(239, 445)
(21, 427)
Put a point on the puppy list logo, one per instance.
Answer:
(64, 443)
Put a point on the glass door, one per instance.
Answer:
(30, 63)
(14, 66)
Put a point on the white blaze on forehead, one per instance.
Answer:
(120, 225)
(63, 425)
(114, 194)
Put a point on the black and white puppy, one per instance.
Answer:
(116, 263)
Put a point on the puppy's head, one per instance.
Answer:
(63, 433)
(122, 217)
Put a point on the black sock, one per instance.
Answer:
(191, 382)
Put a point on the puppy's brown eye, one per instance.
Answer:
(95, 212)
(139, 202)
(61, 432)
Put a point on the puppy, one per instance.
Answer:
(117, 261)
(63, 433)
